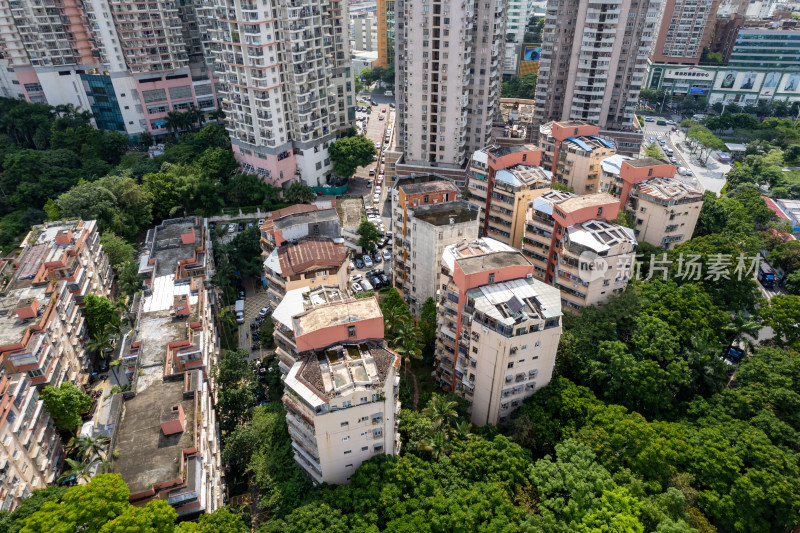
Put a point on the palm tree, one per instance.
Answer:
(175, 122)
(743, 329)
(462, 430)
(100, 342)
(393, 317)
(437, 444)
(406, 342)
(440, 410)
(91, 448)
(78, 470)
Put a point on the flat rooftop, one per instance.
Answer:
(308, 217)
(286, 211)
(474, 248)
(336, 313)
(492, 261)
(544, 203)
(600, 235)
(531, 177)
(12, 328)
(446, 213)
(668, 189)
(500, 151)
(146, 455)
(431, 184)
(341, 369)
(513, 301)
(646, 162)
(574, 203)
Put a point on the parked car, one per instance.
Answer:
(376, 282)
(261, 222)
(367, 261)
(265, 311)
(376, 198)
(231, 228)
(376, 258)
(384, 279)
(251, 225)
(372, 172)
(352, 265)
(391, 105)
(387, 255)
(652, 139)
(359, 263)
(356, 287)
(366, 285)
(649, 119)
(355, 277)
(381, 117)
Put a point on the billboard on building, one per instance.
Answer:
(529, 58)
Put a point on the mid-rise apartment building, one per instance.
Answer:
(574, 153)
(42, 336)
(167, 440)
(429, 228)
(341, 396)
(665, 209)
(42, 327)
(498, 329)
(448, 65)
(310, 262)
(574, 246)
(593, 62)
(409, 194)
(287, 84)
(686, 28)
(501, 182)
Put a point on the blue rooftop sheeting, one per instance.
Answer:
(580, 143)
(505, 176)
(608, 144)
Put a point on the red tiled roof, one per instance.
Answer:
(268, 225)
(310, 254)
(772, 205)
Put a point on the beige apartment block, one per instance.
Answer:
(498, 331)
(310, 262)
(665, 210)
(341, 394)
(576, 160)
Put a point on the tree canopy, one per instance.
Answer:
(65, 404)
(349, 153)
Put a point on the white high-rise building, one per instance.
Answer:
(448, 68)
(287, 85)
(519, 11)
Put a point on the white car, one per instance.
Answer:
(376, 199)
(387, 255)
(231, 228)
(356, 288)
(367, 261)
(355, 277)
(260, 222)
(378, 189)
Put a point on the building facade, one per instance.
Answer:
(408, 195)
(429, 228)
(574, 247)
(364, 34)
(385, 33)
(501, 181)
(42, 336)
(593, 62)
(726, 84)
(286, 84)
(517, 15)
(341, 396)
(686, 28)
(498, 330)
(574, 152)
(448, 73)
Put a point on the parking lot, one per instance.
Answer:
(255, 299)
(229, 230)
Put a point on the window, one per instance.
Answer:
(364, 448)
(345, 439)
(351, 331)
(155, 95)
(491, 277)
(184, 91)
(511, 364)
(347, 403)
(348, 451)
(363, 399)
(344, 424)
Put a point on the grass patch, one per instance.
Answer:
(368, 294)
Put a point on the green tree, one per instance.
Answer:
(349, 153)
(441, 411)
(119, 251)
(80, 471)
(266, 331)
(220, 521)
(65, 405)
(427, 328)
(128, 278)
(299, 193)
(98, 311)
(82, 508)
(369, 235)
(244, 253)
(520, 87)
(236, 388)
(782, 314)
(792, 283)
(652, 150)
(90, 448)
(157, 515)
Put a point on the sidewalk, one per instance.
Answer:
(708, 178)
